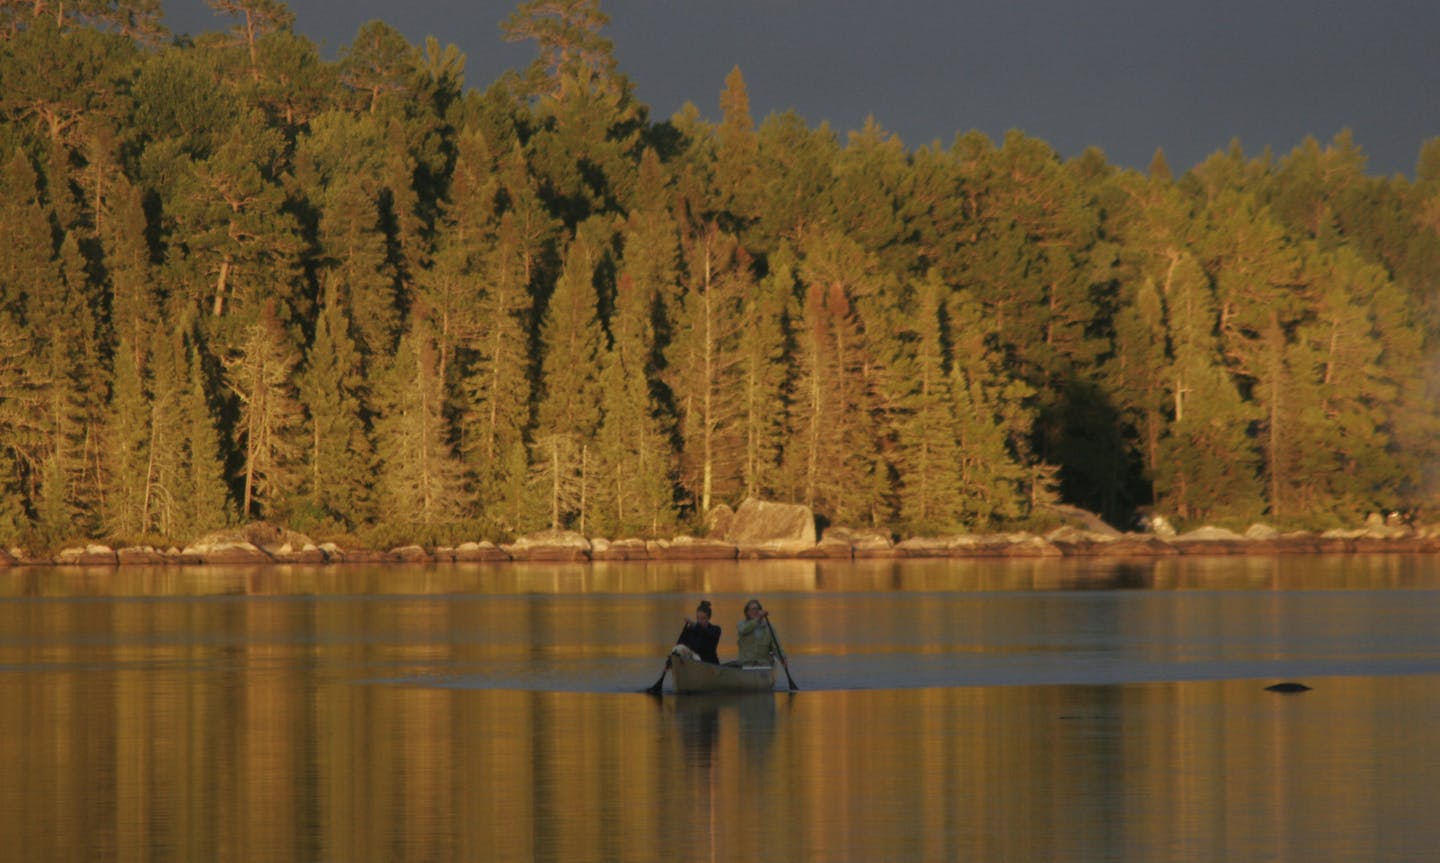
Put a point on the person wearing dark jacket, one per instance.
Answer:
(700, 635)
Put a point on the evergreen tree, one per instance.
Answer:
(868, 193)
(588, 123)
(339, 458)
(65, 369)
(379, 62)
(497, 387)
(201, 502)
(1261, 298)
(790, 317)
(737, 156)
(134, 302)
(1000, 477)
(18, 418)
(926, 458)
(270, 421)
(28, 274)
(568, 44)
(796, 168)
(167, 462)
(840, 376)
(702, 366)
(256, 19)
(340, 164)
(357, 262)
(567, 414)
(295, 85)
(419, 482)
(126, 505)
(232, 231)
(1205, 465)
(633, 491)
(761, 370)
(451, 290)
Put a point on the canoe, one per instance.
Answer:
(692, 675)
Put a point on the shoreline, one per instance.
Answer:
(567, 547)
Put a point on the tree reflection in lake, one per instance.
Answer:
(951, 710)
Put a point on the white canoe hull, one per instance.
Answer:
(692, 675)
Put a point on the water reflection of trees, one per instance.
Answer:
(238, 748)
(735, 577)
(701, 719)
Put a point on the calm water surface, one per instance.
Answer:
(949, 710)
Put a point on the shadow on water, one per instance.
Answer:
(1122, 575)
(710, 729)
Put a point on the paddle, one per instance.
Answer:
(655, 690)
(775, 637)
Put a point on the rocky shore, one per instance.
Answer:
(761, 530)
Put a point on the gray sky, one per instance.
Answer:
(1127, 76)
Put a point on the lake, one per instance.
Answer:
(1056, 710)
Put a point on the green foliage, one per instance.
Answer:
(241, 280)
(338, 456)
(419, 481)
(268, 428)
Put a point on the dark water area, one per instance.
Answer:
(1000, 710)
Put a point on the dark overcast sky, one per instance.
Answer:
(1126, 76)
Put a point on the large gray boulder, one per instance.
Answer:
(690, 548)
(549, 546)
(229, 551)
(1081, 519)
(253, 542)
(90, 555)
(479, 552)
(766, 528)
(631, 548)
(863, 541)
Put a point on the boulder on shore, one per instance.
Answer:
(691, 548)
(766, 529)
(829, 548)
(924, 546)
(549, 545)
(141, 554)
(237, 552)
(411, 554)
(1158, 525)
(620, 549)
(90, 555)
(717, 523)
(863, 541)
(1019, 544)
(1080, 519)
(479, 552)
(256, 542)
(307, 553)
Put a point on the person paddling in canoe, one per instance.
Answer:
(757, 641)
(700, 637)
(759, 645)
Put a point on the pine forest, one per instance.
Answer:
(359, 298)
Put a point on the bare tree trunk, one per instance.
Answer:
(708, 423)
(149, 479)
(584, 481)
(220, 287)
(1273, 438)
(555, 483)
